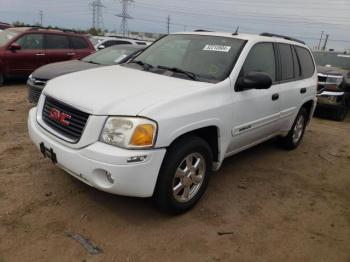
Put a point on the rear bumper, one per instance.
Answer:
(103, 166)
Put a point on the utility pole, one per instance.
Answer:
(319, 43)
(41, 16)
(325, 42)
(97, 17)
(168, 24)
(125, 16)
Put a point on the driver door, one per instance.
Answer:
(256, 112)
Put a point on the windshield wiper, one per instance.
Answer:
(92, 62)
(191, 75)
(143, 64)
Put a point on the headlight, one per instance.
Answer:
(30, 78)
(129, 132)
(336, 80)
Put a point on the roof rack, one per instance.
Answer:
(202, 30)
(35, 27)
(284, 37)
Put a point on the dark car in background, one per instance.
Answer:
(23, 49)
(110, 56)
(333, 83)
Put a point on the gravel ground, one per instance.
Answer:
(273, 205)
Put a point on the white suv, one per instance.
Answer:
(160, 125)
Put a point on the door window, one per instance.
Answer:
(261, 59)
(286, 61)
(31, 41)
(78, 42)
(57, 42)
(306, 62)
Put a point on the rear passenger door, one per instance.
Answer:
(57, 48)
(80, 46)
(296, 66)
(256, 112)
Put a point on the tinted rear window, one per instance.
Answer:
(286, 61)
(79, 42)
(306, 63)
(57, 42)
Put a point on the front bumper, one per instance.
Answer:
(331, 99)
(99, 164)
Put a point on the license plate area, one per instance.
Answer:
(48, 153)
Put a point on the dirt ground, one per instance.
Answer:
(274, 205)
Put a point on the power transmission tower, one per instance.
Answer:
(168, 24)
(319, 43)
(41, 16)
(97, 16)
(325, 42)
(125, 16)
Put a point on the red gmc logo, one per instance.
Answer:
(60, 117)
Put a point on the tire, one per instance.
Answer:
(341, 114)
(190, 183)
(296, 133)
(1, 79)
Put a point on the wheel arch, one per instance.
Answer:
(210, 134)
(309, 106)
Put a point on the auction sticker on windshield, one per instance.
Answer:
(217, 48)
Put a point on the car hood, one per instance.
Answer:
(117, 90)
(329, 70)
(53, 70)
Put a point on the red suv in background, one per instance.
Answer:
(22, 50)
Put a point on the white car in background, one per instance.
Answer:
(159, 125)
(101, 42)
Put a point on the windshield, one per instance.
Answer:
(108, 56)
(6, 36)
(197, 57)
(333, 59)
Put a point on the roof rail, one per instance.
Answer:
(35, 27)
(202, 30)
(284, 37)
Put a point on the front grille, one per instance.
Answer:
(34, 94)
(322, 79)
(77, 120)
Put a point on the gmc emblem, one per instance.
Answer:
(60, 117)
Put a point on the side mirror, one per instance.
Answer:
(14, 47)
(254, 80)
(100, 47)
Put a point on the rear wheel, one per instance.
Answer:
(295, 135)
(184, 175)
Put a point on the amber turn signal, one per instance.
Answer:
(143, 135)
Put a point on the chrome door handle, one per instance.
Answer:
(70, 53)
(40, 54)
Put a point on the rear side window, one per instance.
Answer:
(141, 43)
(261, 59)
(306, 63)
(31, 41)
(286, 57)
(57, 42)
(115, 42)
(78, 42)
(297, 70)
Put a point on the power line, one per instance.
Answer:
(125, 16)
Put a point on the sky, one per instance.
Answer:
(303, 19)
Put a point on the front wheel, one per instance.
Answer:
(296, 133)
(1, 79)
(184, 175)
